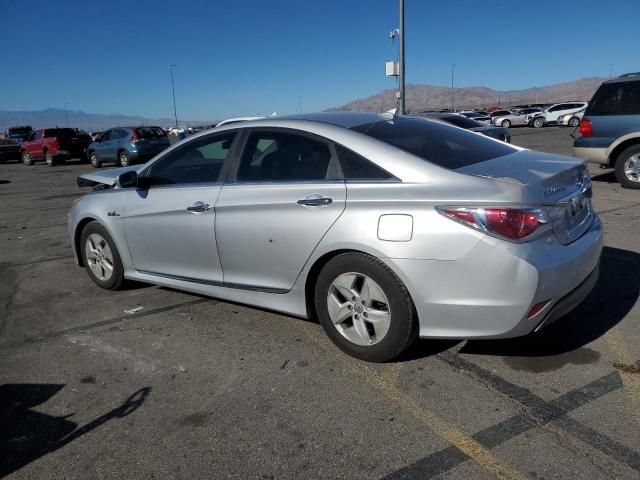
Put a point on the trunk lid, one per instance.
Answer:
(560, 183)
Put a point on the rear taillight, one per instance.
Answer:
(586, 128)
(514, 224)
(134, 138)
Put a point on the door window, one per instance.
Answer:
(199, 161)
(280, 156)
(106, 136)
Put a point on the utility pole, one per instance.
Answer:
(453, 66)
(173, 93)
(610, 71)
(401, 73)
(66, 114)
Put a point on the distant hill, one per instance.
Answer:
(53, 117)
(430, 97)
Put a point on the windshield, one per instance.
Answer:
(436, 142)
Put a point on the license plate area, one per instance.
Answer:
(572, 218)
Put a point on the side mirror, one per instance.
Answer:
(128, 179)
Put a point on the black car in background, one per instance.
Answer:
(461, 121)
(9, 149)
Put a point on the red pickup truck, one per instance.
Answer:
(54, 145)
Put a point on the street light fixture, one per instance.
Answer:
(173, 94)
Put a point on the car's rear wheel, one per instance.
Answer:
(49, 158)
(100, 257)
(505, 124)
(93, 158)
(364, 308)
(628, 167)
(574, 121)
(26, 159)
(123, 157)
(538, 122)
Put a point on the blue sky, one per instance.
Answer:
(257, 56)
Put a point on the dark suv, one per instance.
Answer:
(610, 129)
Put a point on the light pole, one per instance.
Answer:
(173, 93)
(66, 114)
(453, 66)
(610, 71)
(401, 60)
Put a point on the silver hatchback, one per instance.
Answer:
(384, 228)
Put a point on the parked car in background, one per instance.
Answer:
(9, 150)
(610, 129)
(384, 228)
(95, 136)
(482, 117)
(550, 115)
(500, 113)
(571, 119)
(517, 118)
(54, 145)
(19, 134)
(499, 133)
(127, 145)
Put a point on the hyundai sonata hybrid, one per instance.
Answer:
(384, 228)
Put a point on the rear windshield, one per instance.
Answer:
(436, 142)
(150, 132)
(7, 141)
(616, 99)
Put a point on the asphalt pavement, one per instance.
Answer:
(184, 386)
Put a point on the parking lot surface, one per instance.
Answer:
(184, 386)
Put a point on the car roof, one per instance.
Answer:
(627, 77)
(340, 119)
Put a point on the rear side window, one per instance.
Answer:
(616, 99)
(280, 156)
(435, 142)
(355, 167)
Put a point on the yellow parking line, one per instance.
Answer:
(630, 380)
(387, 383)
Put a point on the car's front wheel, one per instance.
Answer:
(100, 257)
(26, 159)
(48, 158)
(574, 121)
(93, 158)
(538, 122)
(628, 167)
(364, 308)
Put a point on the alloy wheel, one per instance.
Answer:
(632, 168)
(99, 257)
(359, 308)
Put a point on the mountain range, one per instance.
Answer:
(431, 97)
(419, 98)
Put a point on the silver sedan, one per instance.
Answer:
(384, 228)
(518, 118)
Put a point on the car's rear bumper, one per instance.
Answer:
(592, 154)
(490, 292)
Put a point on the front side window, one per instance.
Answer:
(37, 135)
(199, 161)
(106, 136)
(281, 156)
(436, 142)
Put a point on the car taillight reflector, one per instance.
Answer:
(537, 308)
(134, 138)
(509, 223)
(586, 128)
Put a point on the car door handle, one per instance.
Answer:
(198, 207)
(315, 201)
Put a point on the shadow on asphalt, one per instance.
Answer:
(563, 342)
(605, 177)
(26, 435)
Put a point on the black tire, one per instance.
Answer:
(123, 158)
(403, 328)
(624, 157)
(115, 282)
(48, 158)
(505, 124)
(574, 122)
(26, 158)
(93, 159)
(538, 122)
